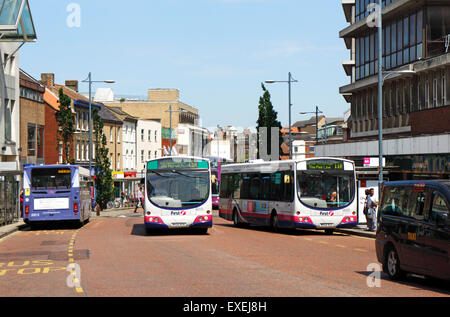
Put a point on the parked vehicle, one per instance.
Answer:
(413, 232)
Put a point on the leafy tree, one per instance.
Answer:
(267, 117)
(104, 180)
(66, 126)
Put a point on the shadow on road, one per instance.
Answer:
(291, 232)
(57, 225)
(417, 282)
(139, 230)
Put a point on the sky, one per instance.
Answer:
(216, 52)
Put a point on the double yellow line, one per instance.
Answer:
(72, 260)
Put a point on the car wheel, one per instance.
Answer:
(391, 264)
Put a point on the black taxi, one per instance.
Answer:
(413, 231)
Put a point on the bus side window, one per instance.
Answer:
(235, 186)
(245, 188)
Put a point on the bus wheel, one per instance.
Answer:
(391, 264)
(274, 225)
(236, 218)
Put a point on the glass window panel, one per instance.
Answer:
(366, 49)
(406, 55)
(419, 25)
(412, 53)
(388, 62)
(394, 60)
(406, 32)
(412, 29)
(419, 51)
(393, 37)
(358, 53)
(400, 35)
(399, 58)
(388, 40)
(372, 47)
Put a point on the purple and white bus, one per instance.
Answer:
(56, 193)
(216, 167)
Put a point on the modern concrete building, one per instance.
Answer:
(416, 106)
(9, 109)
(192, 140)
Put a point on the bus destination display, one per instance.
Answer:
(170, 164)
(325, 165)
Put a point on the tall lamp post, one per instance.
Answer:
(90, 81)
(289, 81)
(317, 121)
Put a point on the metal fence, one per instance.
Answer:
(9, 199)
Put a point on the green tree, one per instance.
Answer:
(66, 125)
(268, 118)
(104, 180)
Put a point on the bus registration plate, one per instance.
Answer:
(179, 224)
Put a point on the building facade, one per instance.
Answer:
(148, 143)
(164, 105)
(416, 104)
(32, 120)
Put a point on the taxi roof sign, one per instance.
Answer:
(16, 22)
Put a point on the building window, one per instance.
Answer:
(435, 90)
(149, 135)
(142, 134)
(427, 92)
(77, 151)
(82, 151)
(31, 143)
(110, 134)
(444, 87)
(156, 135)
(118, 162)
(149, 155)
(142, 155)
(118, 135)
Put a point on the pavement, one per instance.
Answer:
(129, 212)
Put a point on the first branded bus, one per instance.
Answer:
(56, 193)
(316, 193)
(178, 194)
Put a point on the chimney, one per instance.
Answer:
(48, 80)
(72, 84)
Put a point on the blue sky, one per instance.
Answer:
(216, 52)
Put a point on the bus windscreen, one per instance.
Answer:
(50, 178)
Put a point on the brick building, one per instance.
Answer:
(32, 120)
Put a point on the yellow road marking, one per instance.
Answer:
(360, 250)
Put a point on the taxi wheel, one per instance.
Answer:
(391, 264)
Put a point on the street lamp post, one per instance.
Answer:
(317, 122)
(289, 81)
(90, 81)
(170, 125)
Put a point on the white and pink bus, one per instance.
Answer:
(317, 193)
(178, 194)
